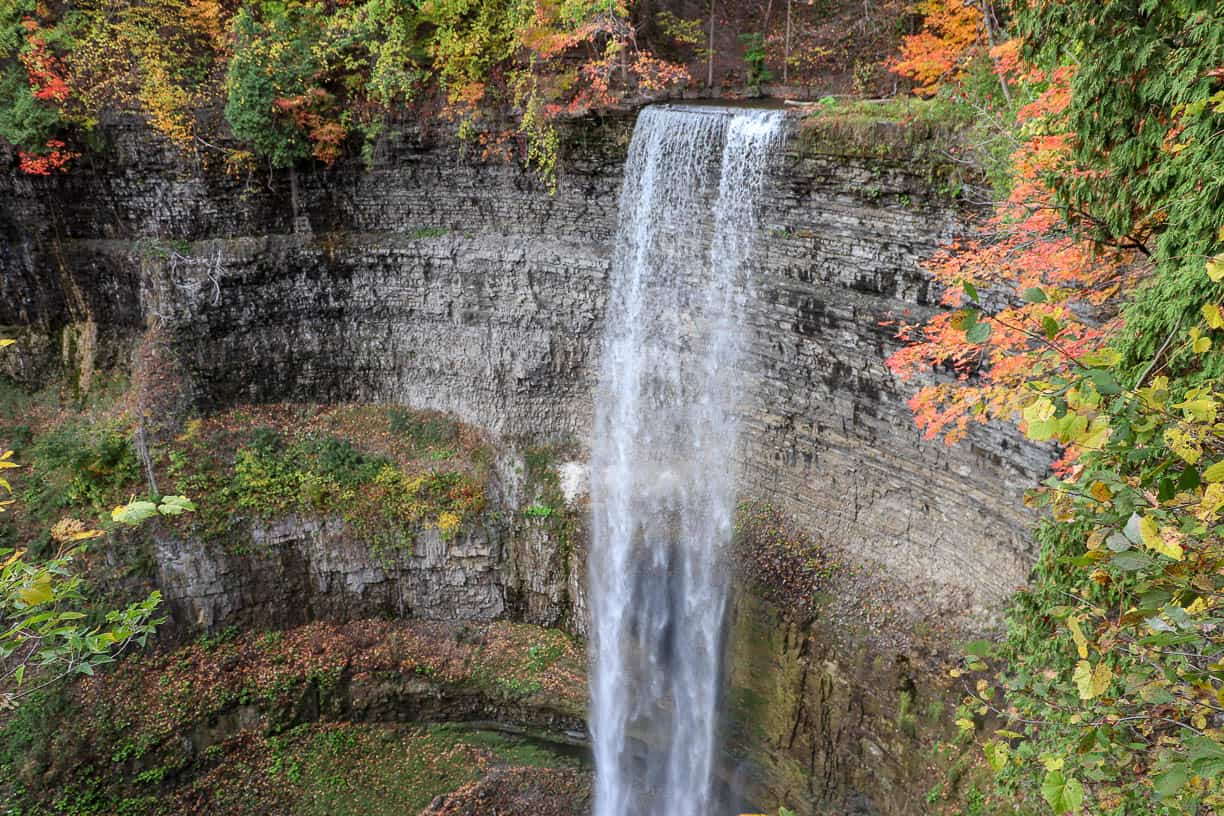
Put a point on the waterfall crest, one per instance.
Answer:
(663, 481)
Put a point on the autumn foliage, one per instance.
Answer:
(1088, 308)
(937, 54)
(1051, 295)
(301, 79)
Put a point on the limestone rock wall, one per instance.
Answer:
(442, 281)
(436, 279)
(825, 724)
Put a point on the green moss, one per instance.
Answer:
(388, 481)
(116, 737)
(917, 133)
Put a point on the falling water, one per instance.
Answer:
(665, 433)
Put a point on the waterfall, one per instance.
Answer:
(662, 476)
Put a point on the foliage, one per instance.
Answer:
(385, 477)
(940, 52)
(31, 82)
(44, 606)
(46, 630)
(272, 101)
(1144, 106)
(754, 58)
(76, 466)
(1115, 656)
(297, 78)
(60, 69)
(1089, 312)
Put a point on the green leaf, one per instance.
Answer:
(1063, 794)
(1050, 326)
(1104, 382)
(1170, 782)
(996, 755)
(978, 333)
(39, 591)
(970, 290)
(134, 512)
(1190, 479)
(176, 505)
(1131, 561)
(979, 648)
(1034, 295)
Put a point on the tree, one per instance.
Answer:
(1088, 310)
(940, 51)
(48, 628)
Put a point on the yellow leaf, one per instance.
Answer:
(1215, 268)
(1213, 316)
(1183, 445)
(1201, 409)
(37, 592)
(1039, 410)
(1096, 538)
(1153, 539)
(1077, 634)
(1097, 434)
(1213, 500)
(1100, 491)
(4, 342)
(1215, 473)
(1102, 676)
(1202, 345)
(1091, 682)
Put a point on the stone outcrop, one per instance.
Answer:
(438, 280)
(829, 724)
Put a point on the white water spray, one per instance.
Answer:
(662, 478)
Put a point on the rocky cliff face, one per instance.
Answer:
(438, 280)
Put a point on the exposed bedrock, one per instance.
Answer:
(441, 281)
(438, 280)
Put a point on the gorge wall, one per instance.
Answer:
(436, 279)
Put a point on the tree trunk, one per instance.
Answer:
(986, 22)
(786, 46)
(710, 69)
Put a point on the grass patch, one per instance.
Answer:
(389, 472)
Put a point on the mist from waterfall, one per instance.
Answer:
(662, 479)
